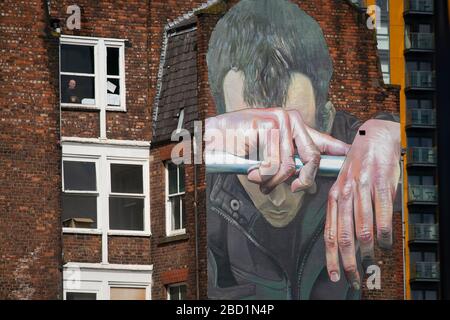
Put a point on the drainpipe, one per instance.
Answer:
(197, 280)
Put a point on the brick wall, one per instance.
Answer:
(30, 241)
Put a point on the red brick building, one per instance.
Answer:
(91, 206)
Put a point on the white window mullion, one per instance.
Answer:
(104, 186)
(101, 91)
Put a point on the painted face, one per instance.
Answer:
(281, 206)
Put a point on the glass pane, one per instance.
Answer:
(174, 293)
(428, 181)
(113, 92)
(429, 257)
(79, 211)
(126, 214)
(429, 218)
(79, 176)
(414, 180)
(182, 292)
(81, 296)
(412, 103)
(415, 256)
(126, 178)
(183, 215)
(417, 294)
(127, 294)
(78, 59)
(415, 218)
(175, 205)
(426, 104)
(173, 180)
(181, 177)
(113, 61)
(75, 89)
(430, 295)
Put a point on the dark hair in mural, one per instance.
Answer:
(268, 40)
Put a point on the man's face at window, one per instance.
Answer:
(280, 206)
(72, 84)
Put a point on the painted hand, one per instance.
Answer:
(368, 179)
(278, 134)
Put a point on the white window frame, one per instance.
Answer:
(100, 278)
(104, 155)
(100, 71)
(173, 286)
(95, 160)
(169, 231)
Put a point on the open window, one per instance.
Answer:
(92, 73)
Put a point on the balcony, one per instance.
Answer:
(425, 271)
(421, 118)
(419, 42)
(419, 7)
(420, 80)
(422, 157)
(426, 195)
(424, 233)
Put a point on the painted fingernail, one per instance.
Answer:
(356, 285)
(334, 276)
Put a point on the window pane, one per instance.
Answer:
(174, 293)
(430, 295)
(79, 211)
(79, 176)
(175, 205)
(426, 104)
(126, 178)
(173, 179)
(428, 218)
(81, 296)
(113, 92)
(127, 294)
(417, 294)
(182, 292)
(181, 177)
(126, 214)
(75, 89)
(429, 256)
(113, 61)
(78, 59)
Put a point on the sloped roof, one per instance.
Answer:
(178, 84)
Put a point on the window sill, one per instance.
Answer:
(129, 233)
(173, 238)
(116, 109)
(78, 107)
(81, 231)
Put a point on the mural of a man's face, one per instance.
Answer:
(281, 205)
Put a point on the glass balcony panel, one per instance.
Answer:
(424, 232)
(426, 156)
(421, 117)
(420, 79)
(418, 193)
(425, 270)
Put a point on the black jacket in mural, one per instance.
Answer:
(250, 259)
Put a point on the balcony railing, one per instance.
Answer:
(421, 6)
(420, 79)
(422, 156)
(425, 271)
(421, 118)
(424, 232)
(423, 194)
(419, 41)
